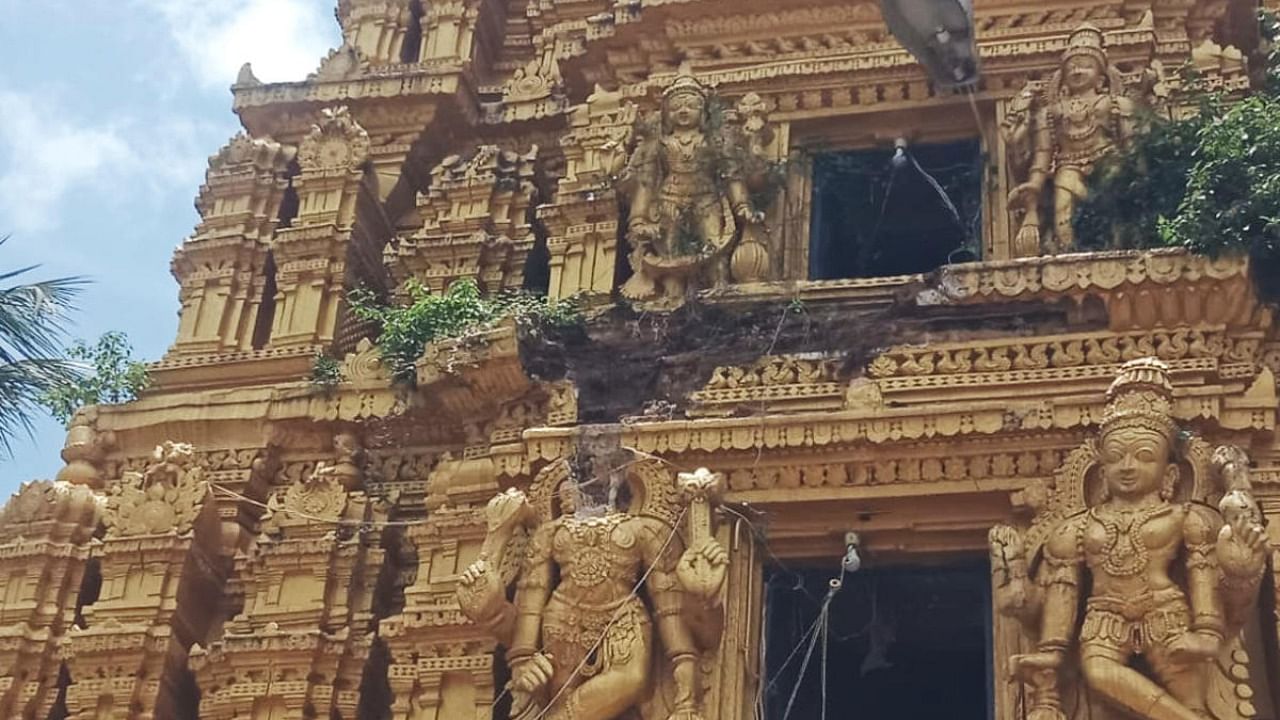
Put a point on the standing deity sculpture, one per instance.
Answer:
(610, 610)
(1057, 131)
(1141, 587)
(687, 182)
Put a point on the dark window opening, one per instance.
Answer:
(537, 267)
(906, 642)
(895, 212)
(413, 36)
(266, 306)
(289, 205)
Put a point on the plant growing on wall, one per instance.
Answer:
(111, 377)
(1209, 182)
(405, 330)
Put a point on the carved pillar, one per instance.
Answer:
(222, 268)
(582, 222)
(46, 534)
(441, 664)
(299, 647)
(733, 680)
(448, 31)
(475, 223)
(160, 590)
(376, 28)
(312, 254)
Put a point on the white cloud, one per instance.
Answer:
(45, 156)
(284, 39)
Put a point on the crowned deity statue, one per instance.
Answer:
(689, 199)
(1141, 586)
(609, 607)
(1057, 131)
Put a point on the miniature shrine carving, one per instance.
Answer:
(475, 222)
(580, 640)
(690, 203)
(1056, 132)
(46, 536)
(306, 628)
(1130, 534)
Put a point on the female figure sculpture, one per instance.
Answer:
(1060, 131)
(687, 194)
(580, 640)
(1164, 580)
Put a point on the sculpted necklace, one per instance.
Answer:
(1125, 554)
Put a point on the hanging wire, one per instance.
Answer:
(823, 625)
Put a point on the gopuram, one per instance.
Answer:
(823, 407)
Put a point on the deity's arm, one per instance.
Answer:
(1125, 113)
(1042, 148)
(533, 588)
(643, 175)
(1241, 552)
(1060, 577)
(1199, 533)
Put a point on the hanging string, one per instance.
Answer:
(823, 623)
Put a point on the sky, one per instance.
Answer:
(108, 114)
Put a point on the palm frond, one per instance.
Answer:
(22, 385)
(33, 318)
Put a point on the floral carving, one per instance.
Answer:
(165, 498)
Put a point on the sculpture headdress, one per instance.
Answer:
(1087, 40)
(685, 84)
(1141, 397)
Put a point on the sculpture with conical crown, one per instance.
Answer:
(689, 200)
(1134, 563)
(1059, 130)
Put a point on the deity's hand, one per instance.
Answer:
(702, 568)
(1025, 196)
(1242, 541)
(475, 572)
(748, 216)
(1193, 647)
(1008, 566)
(506, 509)
(528, 680)
(1028, 665)
(643, 232)
(480, 593)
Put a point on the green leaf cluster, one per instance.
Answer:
(1209, 182)
(111, 376)
(326, 371)
(405, 330)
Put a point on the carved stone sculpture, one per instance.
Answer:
(1057, 131)
(579, 636)
(1133, 562)
(689, 198)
